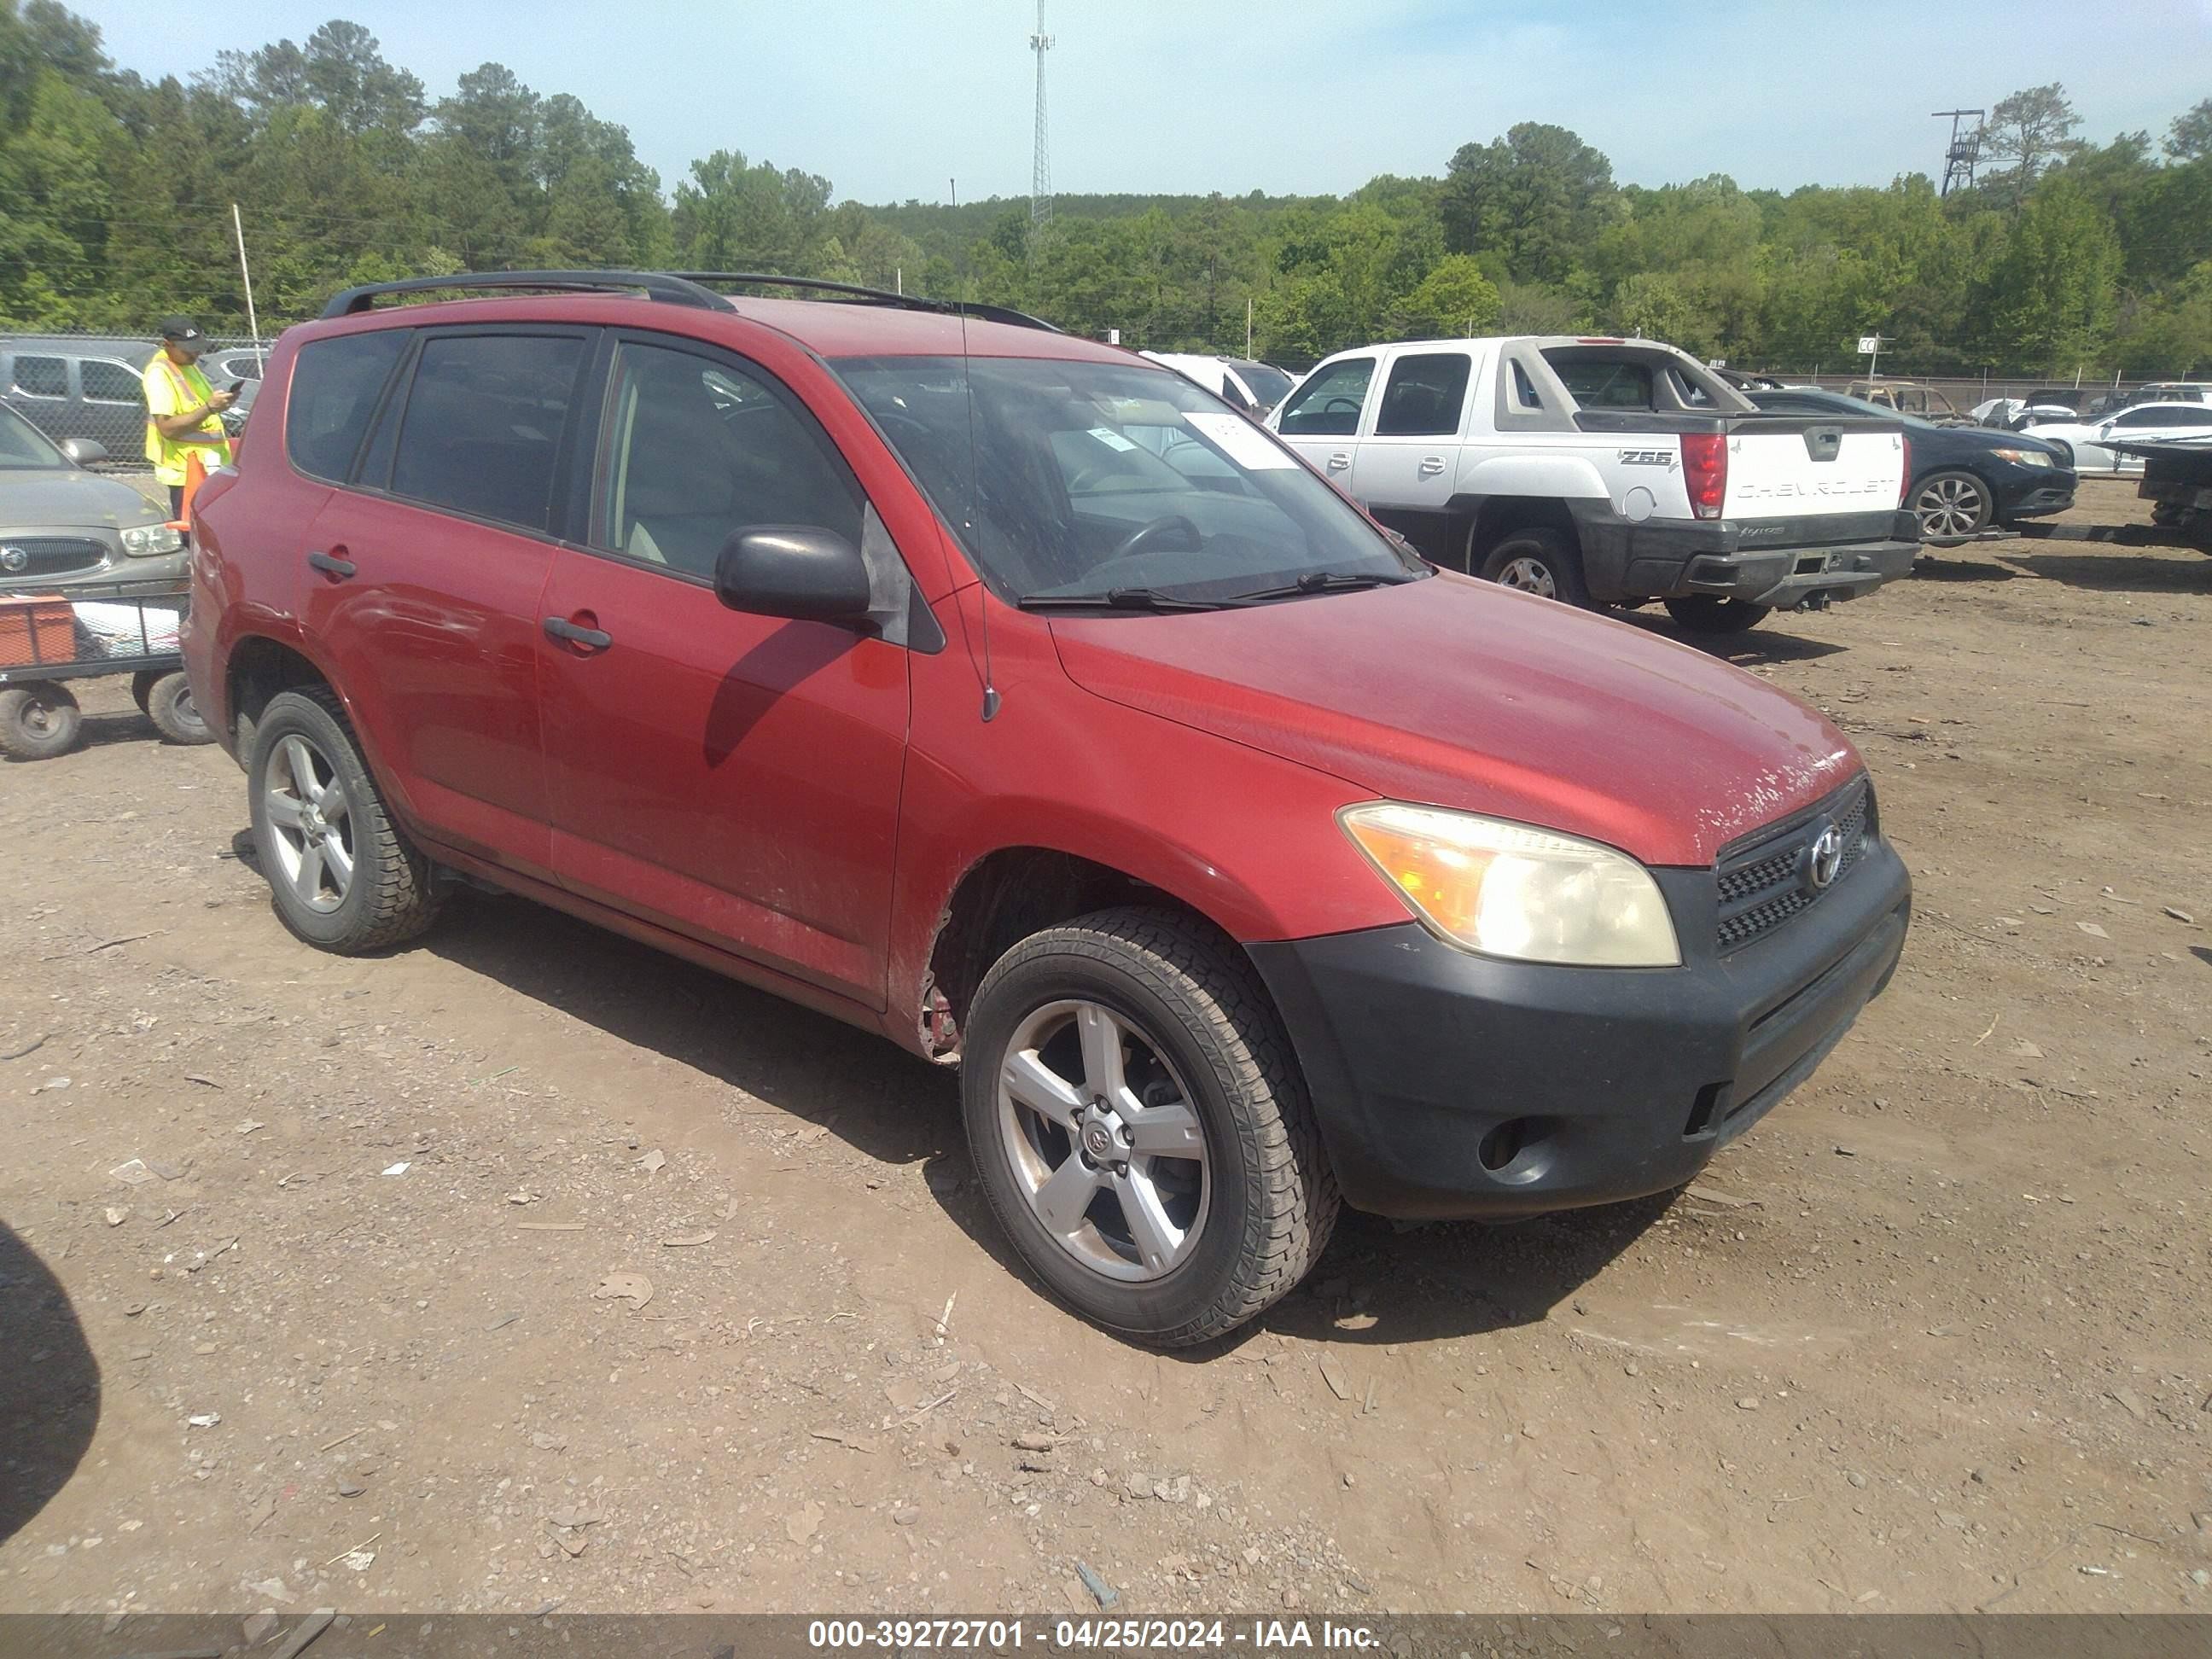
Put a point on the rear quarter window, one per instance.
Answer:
(335, 386)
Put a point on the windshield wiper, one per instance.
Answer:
(1323, 581)
(1122, 598)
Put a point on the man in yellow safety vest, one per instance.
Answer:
(183, 413)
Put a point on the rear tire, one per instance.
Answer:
(1538, 560)
(343, 876)
(141, 687)
(38, 720)
(1209, 1195)
(1708, 613)
(169, 705)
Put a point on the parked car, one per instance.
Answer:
(2173, 392)
(69, 387)
(1964, 479)
(2089, 447)
(1255, 388)
(1605, 472)
(1243, 861)
(62, 526)
(1909, 398)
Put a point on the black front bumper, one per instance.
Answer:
(1450, 1084)
(2035, 497)
(1781, 563)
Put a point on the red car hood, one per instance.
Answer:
(1458, 693)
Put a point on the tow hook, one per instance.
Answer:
(1816, 600)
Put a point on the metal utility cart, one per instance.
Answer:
(80, 632)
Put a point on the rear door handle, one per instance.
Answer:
(1339, 461)
(331, 565)
(1431, 464)
(591, 638)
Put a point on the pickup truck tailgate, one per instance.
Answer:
(1794, 468)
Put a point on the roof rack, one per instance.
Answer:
(882, 297)
(654, 285)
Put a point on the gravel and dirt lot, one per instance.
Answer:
(524, 1266)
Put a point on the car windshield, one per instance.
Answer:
(1073, 481)
(1269, 384)
(23, 448)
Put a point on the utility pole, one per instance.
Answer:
(1041, 172)
(1965, 151)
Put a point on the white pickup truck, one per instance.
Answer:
(1608, 472)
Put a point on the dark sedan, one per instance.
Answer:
(1964, 479)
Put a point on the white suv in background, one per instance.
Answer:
(1255, 388)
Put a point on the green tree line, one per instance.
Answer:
(115, 195)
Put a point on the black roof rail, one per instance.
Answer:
(653, 284)
(882, 297)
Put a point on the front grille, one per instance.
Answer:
(48, 556)
(1763, 883)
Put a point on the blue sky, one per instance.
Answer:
(891, 99)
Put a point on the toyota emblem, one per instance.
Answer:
(14, 559)
(1824, 860)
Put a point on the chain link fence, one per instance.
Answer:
(80, 385)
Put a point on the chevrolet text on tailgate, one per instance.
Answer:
(1012, 698)
(1609, 473)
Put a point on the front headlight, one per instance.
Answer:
(148, 539)
(2024, 456)
(1506, 889)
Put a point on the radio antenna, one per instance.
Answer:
(974, 492)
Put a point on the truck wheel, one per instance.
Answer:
(142, 686)
(38, 720)
(1538, 560)
(1707, 613)
(343, 876)
(169, 706)
(1952, 507)
(1140, 1128)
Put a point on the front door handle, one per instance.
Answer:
(1339, 461)
(1431, 464)
(591, 638)
(331, 565)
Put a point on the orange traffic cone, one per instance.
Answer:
(195, 475)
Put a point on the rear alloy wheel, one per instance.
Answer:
(1540, 562)
(1708, 613)
(1952, 507)
(343, 876)
(38, 721)
(1140, 1128)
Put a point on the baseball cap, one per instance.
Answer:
(182, 329)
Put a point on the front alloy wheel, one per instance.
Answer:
(1103, 1140)
(1951, 507)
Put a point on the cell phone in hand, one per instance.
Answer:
(235, 387)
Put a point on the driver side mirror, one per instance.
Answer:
(83, 451)
(800, 571)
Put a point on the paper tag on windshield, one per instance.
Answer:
(1242, 442)
(1111, 439)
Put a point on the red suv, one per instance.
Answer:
(1012, 697)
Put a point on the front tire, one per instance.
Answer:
(1708, 613)
(1538, 561)
(1140, 1128)
(1953, 507)
(343, 876)
(39, 721)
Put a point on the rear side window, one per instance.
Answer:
(2189, 417)
(42, 377)
(1425, 395)
(482, 427)
(696, 450)
(110, 383)
(1329, 404)
(1597, 382)
(335, 386)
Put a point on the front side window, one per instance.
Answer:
(1329, 404)
(1425, 395)
(335, 386)
(2142, 418)
(695, 450)
(482, 433)
(110, 383)
(1068, 480)
(42, 377)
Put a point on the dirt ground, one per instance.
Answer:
(1934, 1337)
